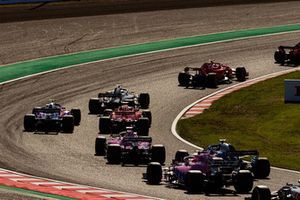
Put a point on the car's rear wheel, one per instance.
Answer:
(144, 100)
(211, 80)
(100, 146)
(94, 105)
(113, 154)
(280, 56)
(154, 173)
(104, 125)
(261, 192)
(77, 116)
(243, 181)
(68, 124)
(184, 79)
(194, 181)
(158, 153)
(147, 114)
(240, 73)
(261, 167)
(180, 154)
(29, 122)
(142, 126)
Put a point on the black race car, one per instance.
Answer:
(117, 97)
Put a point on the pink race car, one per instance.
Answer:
(129, 147)
(213, 168)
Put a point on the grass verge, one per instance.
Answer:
(254, 117)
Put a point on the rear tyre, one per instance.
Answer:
(180, 154)
(243, 181)
(144, 100)
(100, 146)
(154, 173)
(142, 126)
(194, 181)
(184, 79)
(261, 167)
(240, 73)
(107, 112)
(158, 153)
(113, 154)
(280, 56)
(104, 125)
(77, 116)
(68, 124)
(261, 192)
(94, 106)
(29, 122)
(211, 80)
(147, 114)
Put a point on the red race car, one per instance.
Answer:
(125, 116)
(210, 75)
(293, 56)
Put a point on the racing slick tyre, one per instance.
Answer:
(194, 181)
(154, 173)
(294, 57)
(211, 80)
(147, 114)
(260, 167)
(104, 125)
(113, 154)
(180, 154)
(144, 100)
(261, 192)
(199, 81)
(158, 153)
(36, 109)
(68, 124)
(243, 181)
(240, 73)
(29, 122)
(107, 112)
(77, 116)
(100, 146)
(142, 126)
(184, 79)
(94, 106)
(280, 56)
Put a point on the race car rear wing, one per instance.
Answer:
(46, 110)
(109, 95)
(245, 153)
(138, 139)
(285, 47)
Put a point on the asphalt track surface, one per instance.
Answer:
(70, 157)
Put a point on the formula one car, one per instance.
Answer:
(129, 148)
(117, 97)
(210, 75)
(125, 116)
(287, 192)
(293, 56)
(259, 166)
(208, 170)
(52, 118)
